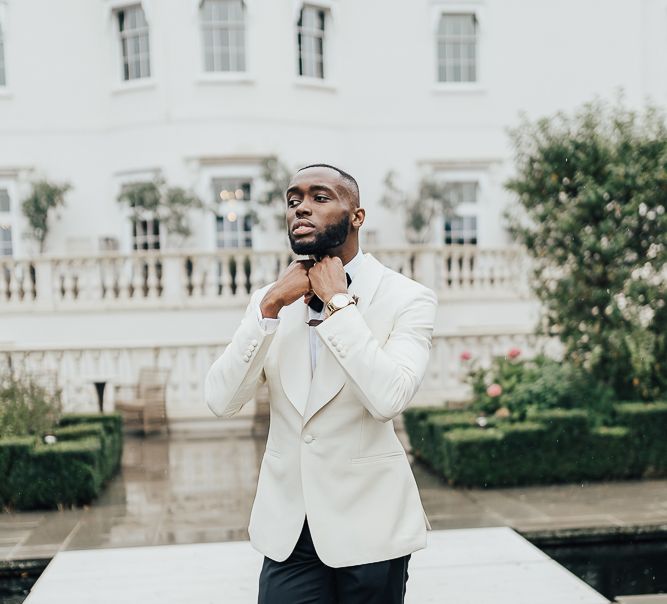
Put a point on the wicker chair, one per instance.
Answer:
(144, 405)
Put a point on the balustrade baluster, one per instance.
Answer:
(15, 284)
(207, 267)
(5, 277)
(224, 270)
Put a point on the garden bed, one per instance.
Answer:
(70, 471)
(553, 446)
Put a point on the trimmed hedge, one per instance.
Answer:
(558, 445)
(70, 472)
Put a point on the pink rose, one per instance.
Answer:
(513, 353)
(494, 390)
(466, 356)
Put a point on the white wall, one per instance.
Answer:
(65, 114)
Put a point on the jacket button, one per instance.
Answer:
(308, 439)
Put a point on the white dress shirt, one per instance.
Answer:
(269, 325)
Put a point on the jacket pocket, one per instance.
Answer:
(272, 452)
(380, 457)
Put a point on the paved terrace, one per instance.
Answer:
(179, 491)
(183, 491)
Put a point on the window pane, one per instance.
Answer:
(223, 31)
(3, 81)
(4, 200)
(5, 240)
(310, 40)
(457, 48)
(234, 226)
(134, 40)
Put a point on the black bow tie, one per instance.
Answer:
(317, 305)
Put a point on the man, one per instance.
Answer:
(337, 511)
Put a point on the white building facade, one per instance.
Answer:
(104, 93)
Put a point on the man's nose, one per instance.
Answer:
(304, 208)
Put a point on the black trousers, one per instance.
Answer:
(304, 579)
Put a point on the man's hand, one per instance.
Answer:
(327, 277)
(291, 285)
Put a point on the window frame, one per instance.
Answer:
(4, 36)
(443, 7)
(202, 25)
(11, 217)
(465, 209)
(137, 33)
(126, 238)
(481, 171)
(118, 84)
(209, 168)
(242, 208)
(329, 63)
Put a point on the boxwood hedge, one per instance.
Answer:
(558, 445)
(71, 471)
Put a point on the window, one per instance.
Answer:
(461, 230)
(4, 200)
(223, 33)
(6, 248)
(233, 231)
(3, 75)
(146, 234)
(460, 225)
(310, 41)
(457, 48)
(461, 192)
(234, 222)
(5, 240)
(133, 31)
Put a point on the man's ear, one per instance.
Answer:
(358, 217)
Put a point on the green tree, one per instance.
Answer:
(418, 208)
(276, 177)
(591, 190)
(169, 204)
(44, 198)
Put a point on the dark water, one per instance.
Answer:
(16, 579)
(619, 568)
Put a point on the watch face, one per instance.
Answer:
(339, 300)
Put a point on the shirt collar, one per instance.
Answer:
(353, 265)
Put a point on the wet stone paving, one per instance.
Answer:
(182, 490)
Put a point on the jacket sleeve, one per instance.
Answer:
(386, 378)
(232, 379)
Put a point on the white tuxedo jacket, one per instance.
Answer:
(332, 453)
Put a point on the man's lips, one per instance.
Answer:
(301, 227)
(303, 230)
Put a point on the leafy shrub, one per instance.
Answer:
(540, 383)
(70, 472)
(591, 212)
(27, 408)
(555, 445)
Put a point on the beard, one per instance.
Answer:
(333, 236)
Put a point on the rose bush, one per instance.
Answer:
(518, 386)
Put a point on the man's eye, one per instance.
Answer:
(292, 202)
(321, 198)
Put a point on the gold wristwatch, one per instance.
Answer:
(339, 301)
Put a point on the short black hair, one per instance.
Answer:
(348, 178)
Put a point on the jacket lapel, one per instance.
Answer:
(294, 354)
(329, 377)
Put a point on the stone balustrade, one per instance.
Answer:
(182, 279)
(74, 369)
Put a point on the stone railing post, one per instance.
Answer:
(45, 294)
(173, 274)
(425, 267)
